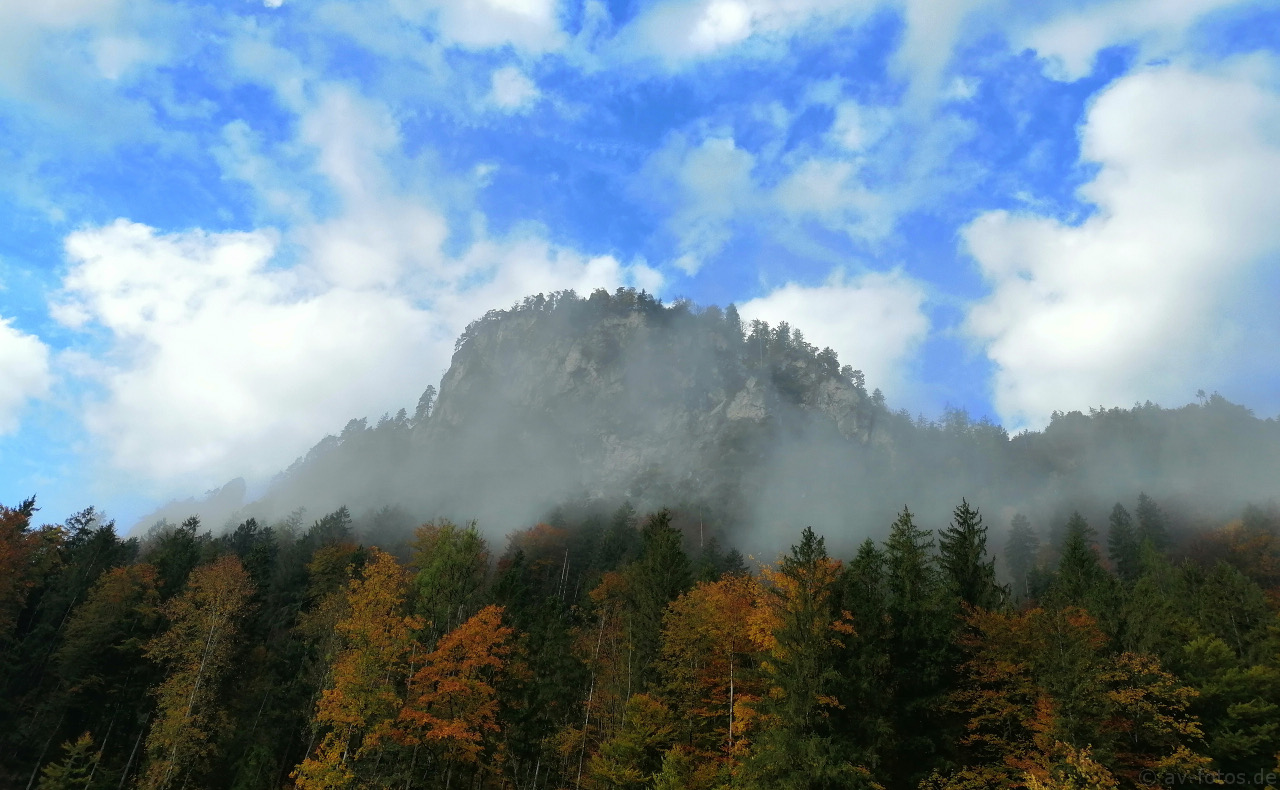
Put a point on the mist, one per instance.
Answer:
(751, 432)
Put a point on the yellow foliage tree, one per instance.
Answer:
(359, 711)
(196, 649)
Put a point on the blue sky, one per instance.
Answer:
(227, 228)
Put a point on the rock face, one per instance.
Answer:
(617, 395)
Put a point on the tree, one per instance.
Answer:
(660, 576)
(451, 705)
(73, 771)
(360, 710)
(1045, 702)
(450, 563)
(919, 644)
(1152, 525)
(799, 630)
(707, 666)
(1020, 553)
(1123, 546)
(196, 651)
(1080, 574)
(962, 551)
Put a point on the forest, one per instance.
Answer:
(610, 648)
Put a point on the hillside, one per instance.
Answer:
(618, 397)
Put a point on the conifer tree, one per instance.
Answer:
(921, 627)
(1123, 546)
(1080, 575)
(962, 552)
(75, 770)
(660, 576)
(1020, 554)
(1152, 525)
(801, 631)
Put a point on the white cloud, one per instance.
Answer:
(25, 362)
(529, 25)
(874, 322)
(1070, 42)
(679, 30)
(231, 353)
(1137, 302)
(512, 91)
(709, 184)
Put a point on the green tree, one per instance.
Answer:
(962, 553)
(660, 576)
(1020, 554)
(1080, 575)
(449, 564)
(1152, 524)
(803, 633)
(1123, 545)
(919, 646)
(75, 770)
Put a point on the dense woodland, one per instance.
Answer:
(610, 649)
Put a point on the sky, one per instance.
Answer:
(226, 228)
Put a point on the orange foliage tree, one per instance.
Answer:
(359, 711)
(196, 649)
(452, 704)
(1047, 706)
(708, 666)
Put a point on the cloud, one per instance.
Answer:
(1141, 300)
(25, 362)
(529, 25)
(1070, 42)
(512, 91)
(874, 322)
(708, 185)
(681, 30)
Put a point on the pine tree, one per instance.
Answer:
(919, 646)
(1020, 553)
(75, 770)
(801, 633)
(660, 576)
(1152, 525)
(1123, 546)
(962, 551)
(1080, 575)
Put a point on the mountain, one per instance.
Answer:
(618, 397)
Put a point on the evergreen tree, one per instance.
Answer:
(1123, 546)
(1080, 575)
(1020, 554)
(1152, 526)
(660, 576)
(962, 551)
(802, 633)
(918, 648)
(75, 770)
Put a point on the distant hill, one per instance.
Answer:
(618, 397)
